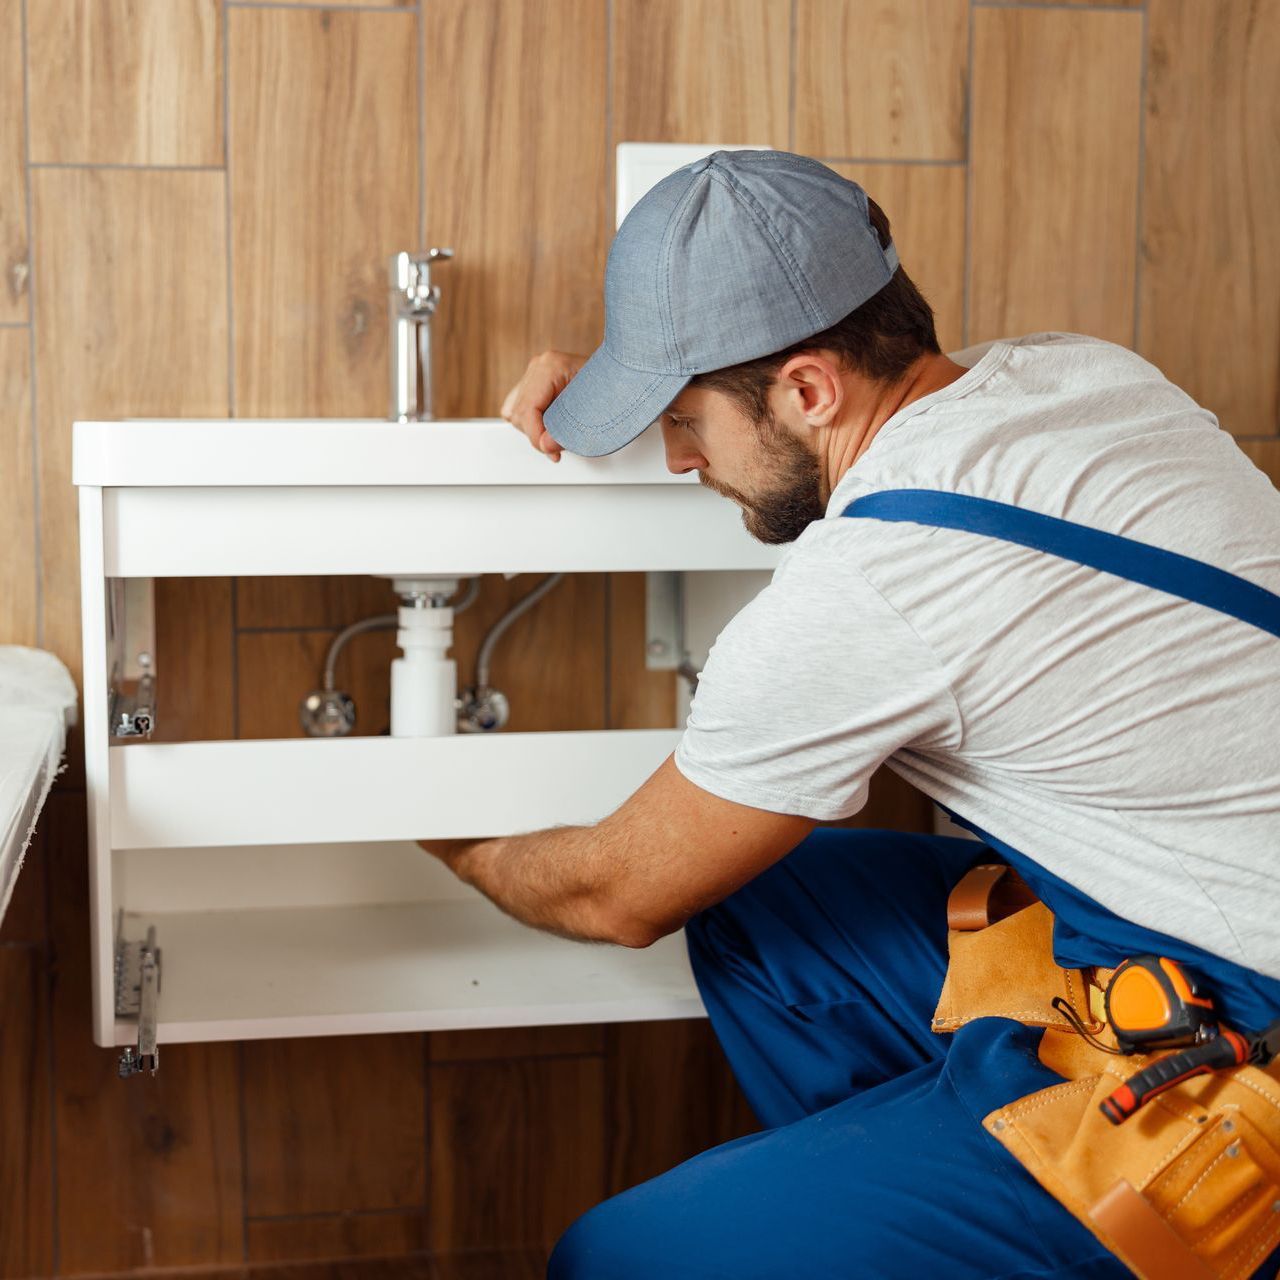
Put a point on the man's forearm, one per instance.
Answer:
(557, 880)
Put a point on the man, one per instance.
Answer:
(1116, 742)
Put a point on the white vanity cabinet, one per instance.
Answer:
(280, 878)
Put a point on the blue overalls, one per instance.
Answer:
(821, 976)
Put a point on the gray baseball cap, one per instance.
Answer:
(733, 257)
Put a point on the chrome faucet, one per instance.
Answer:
(412, 301)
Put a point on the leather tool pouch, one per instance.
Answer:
(1187, 1189)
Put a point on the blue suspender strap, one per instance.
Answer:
(1086, 932)
(1140, 562)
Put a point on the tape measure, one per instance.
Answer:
(1151, 1002)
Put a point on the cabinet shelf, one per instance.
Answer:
(313, 790)
(418, 966)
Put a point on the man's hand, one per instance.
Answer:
(544, 379)
(669, 851)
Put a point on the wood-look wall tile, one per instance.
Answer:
(324, 183)
(18, 621)
(551, 663)
(311, 601)
(517, 1150)
(514, 1042)
(1209, 299)
(638, 698)
(339, 1235)
(701, 71)
(131, 300)
(671, 1095)
(195, 653)
(148, 1169)
(14, 255)
(516, 172)
(125, 81)
(882, 81)
(1265, 455)
(511, 1264)
(26, 1157)
(925, 208)
(277, 669)
(1054, 172)
(356, 4)
(1106, 4)
(334, 1124)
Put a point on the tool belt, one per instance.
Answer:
(1186, 1189)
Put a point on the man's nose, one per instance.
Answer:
(682, 454)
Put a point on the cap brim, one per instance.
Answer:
(607, 404)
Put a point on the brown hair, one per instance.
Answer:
(880, 339)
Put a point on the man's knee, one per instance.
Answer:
(606, 1243)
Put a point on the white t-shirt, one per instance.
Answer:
(1126, 740)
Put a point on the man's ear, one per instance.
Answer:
(812, 387)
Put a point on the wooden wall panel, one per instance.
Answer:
(14, 260)
(26, 1166)
(514, 187)
(671, 1095)
(1265, 455)
(336, 1235)
(126, 81)
(324, 182)
(925, 208)
(514, 1042)
(334, 1124)
(638, 698)
(551, 664)
(701, 71)
(349, 4)
(1210, 270)
(18, 571)
(277, 669)
(1054, 160)
(879, 81)
(312, 601)
(131, 300)
(195, 660)
(517, 1150)
(149, 1169)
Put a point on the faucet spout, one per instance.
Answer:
(412, 301)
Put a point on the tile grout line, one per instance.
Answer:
(234, 638)
(428, 1219)
(37, 567)
(244, 1154)
(609, 214)
(421, 52)
(227, 210)
(792, 42)
(966, 284)
(1141, 192)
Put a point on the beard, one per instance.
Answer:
(790, 499)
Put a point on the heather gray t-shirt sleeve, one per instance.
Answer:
(808, 689)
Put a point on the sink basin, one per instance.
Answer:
(450, 498)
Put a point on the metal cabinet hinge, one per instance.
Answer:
(132, 714)
(137, 988)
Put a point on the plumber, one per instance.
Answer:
(1037, 580)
